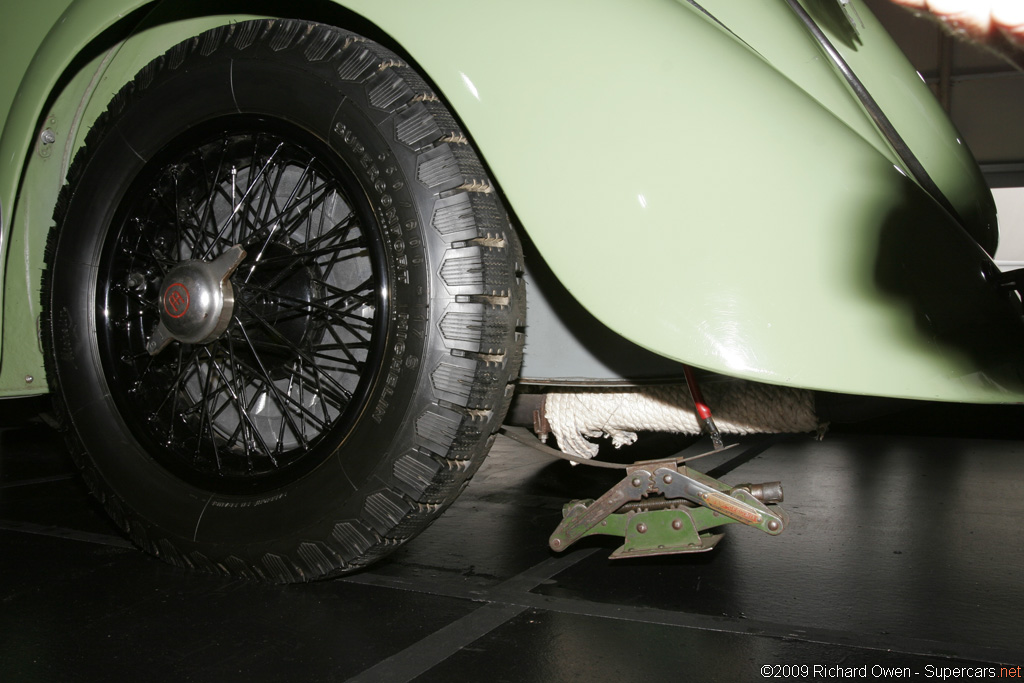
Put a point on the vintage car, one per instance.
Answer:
(268, 257)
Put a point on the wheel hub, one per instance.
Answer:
(196, 301)
(278, 288)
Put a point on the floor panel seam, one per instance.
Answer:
(430, 651)
(508, 594)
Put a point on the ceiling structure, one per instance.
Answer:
(982, 92)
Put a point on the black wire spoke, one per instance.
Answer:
(337, 320)
(340, 257)
(293, 265)
(204, 418)
(306, 258)
(164, 202)
(236, 208)
(339, 254)
(279, 218)
(254, 431)
(220, 239)
(301, 353)
(247, 438)
(302, 260)
(246, 425)
(175, 393)
(137, 247)
(339, 230)
(234, 220)
(328, 398)
(304, 217)
(292, 200)
(148, 362)
(362, 330)
(341, 247)
(368, 285)
(346, 347)
(183, 230)
(268, 200)
(212, 180)
(252, 217)
(195, 230)
(280, 431)
(143, 251)
(224, 391)
(270, 189)
(323, 351)
(204, 407)
(360, 342)
(268, 381)
(216, 407)
(328, 313)
(176, 383)
(311, 203)
(221, 407)
(302, 398)
(346, 366)
(255, 215)
(347, 311)
(337, 401)
(170, 206)
(249, 221)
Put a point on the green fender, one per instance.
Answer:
(723, 203)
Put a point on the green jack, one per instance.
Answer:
(661, 508)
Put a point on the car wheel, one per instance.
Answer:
(283, 304)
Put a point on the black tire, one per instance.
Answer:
(376, 329)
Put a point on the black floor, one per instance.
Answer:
(905, 549)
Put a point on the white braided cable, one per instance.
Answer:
(739, 408)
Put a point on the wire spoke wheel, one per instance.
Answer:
(300, 349)
(283, 304)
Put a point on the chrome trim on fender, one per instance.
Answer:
(879, 118)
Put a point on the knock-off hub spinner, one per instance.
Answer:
(196, 301)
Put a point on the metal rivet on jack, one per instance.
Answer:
(636, 482)
(667, 479)
(773, 525)
(677, 524)
(641, 528)
(29, 379)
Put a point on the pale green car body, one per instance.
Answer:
(719, 197)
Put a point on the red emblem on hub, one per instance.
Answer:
(176, 300)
